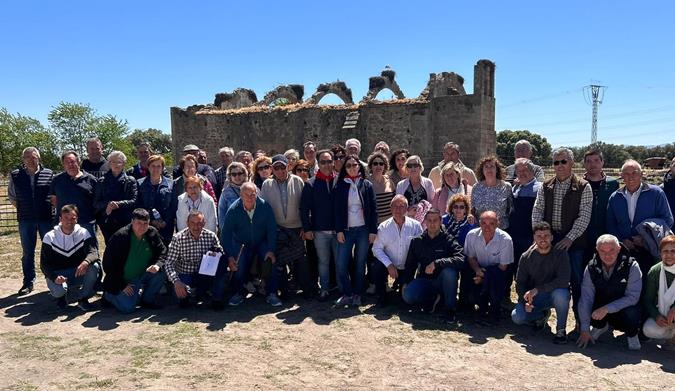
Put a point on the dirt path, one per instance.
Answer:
(303, 346)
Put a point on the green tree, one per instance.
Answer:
(74, 123)
(507, 139)
(161, 142)
(18, 132)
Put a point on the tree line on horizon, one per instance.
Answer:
(71, 124)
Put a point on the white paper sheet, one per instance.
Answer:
(209, 264)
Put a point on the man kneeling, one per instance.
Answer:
(69, 257)
(542, 282)
(437, 258)
(132, 259)
(610, 291)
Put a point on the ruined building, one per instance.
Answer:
(282, 120)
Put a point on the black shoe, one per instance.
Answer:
(105, 303)
(448, 318)
(184, 303)
(151, 306)
(85, 305)
(217, 305)
(560, 337)
(62, 303)
(25, 289)
(382, 301)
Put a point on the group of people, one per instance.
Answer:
(454, 241)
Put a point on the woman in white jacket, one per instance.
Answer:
(195, 198)
(415, 187)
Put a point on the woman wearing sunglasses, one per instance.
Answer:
(456, 220)
(382, 185)
(356, 227)
(415, 188)
(236, 175)
(262, 169)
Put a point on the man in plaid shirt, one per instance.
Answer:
(184, 258)
(566, 203)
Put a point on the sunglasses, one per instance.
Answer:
(558, 162)
(459, 206)
(377, 164)
(301, 170)
(237, 173)
(260, 168)
(279, 167)
(412, 166)
(351, 165)
(325, 161)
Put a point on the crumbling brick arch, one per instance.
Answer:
(293, 93)
(379, 83)
(338, 88)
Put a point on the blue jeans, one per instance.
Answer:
(28, 231)
(151, 284)
(424, 290)
(85, 282)
(326, 246)
(356, 238)
(577, 266)
(244, 266)
(558, 298)
(198, 284)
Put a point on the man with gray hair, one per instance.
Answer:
(95, 163)
(610, 293)
(28, 191)
(451, 154)
(523, 150)
(566, 202)
(391, 246)
(632, 205)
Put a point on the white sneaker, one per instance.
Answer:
(634, 343)
(596, 333)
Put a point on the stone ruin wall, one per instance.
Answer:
(442, 112)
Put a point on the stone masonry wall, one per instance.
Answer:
(422, 126)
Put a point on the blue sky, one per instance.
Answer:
(136, 59)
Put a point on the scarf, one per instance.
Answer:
(454, 226)
(324, 177)
(666, 294)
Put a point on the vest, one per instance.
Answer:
(570, 207)
(606, 291)
(33, 206)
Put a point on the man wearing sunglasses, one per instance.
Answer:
(566, 203)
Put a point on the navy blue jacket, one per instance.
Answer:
(160, 199)
(238, 229)
(367, 196)
(316, 205)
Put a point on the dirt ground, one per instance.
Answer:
(303, 345)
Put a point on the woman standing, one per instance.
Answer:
(452, 184)
(188, 165)
(383, 187)
(397, 165)
(292, 155)
(236, 175)
(492, 192)
(415, 188)
(301, 169)
(261, 170)
(195, 199)
(356, 227)
(339, 154)
(115, 196)
(155, 194)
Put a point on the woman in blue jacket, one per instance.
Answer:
(356, 227)
(155, 195)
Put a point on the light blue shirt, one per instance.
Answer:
(498, 252)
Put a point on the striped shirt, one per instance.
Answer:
(383, 200)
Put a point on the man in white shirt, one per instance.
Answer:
(391, 246)
(489, 251)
